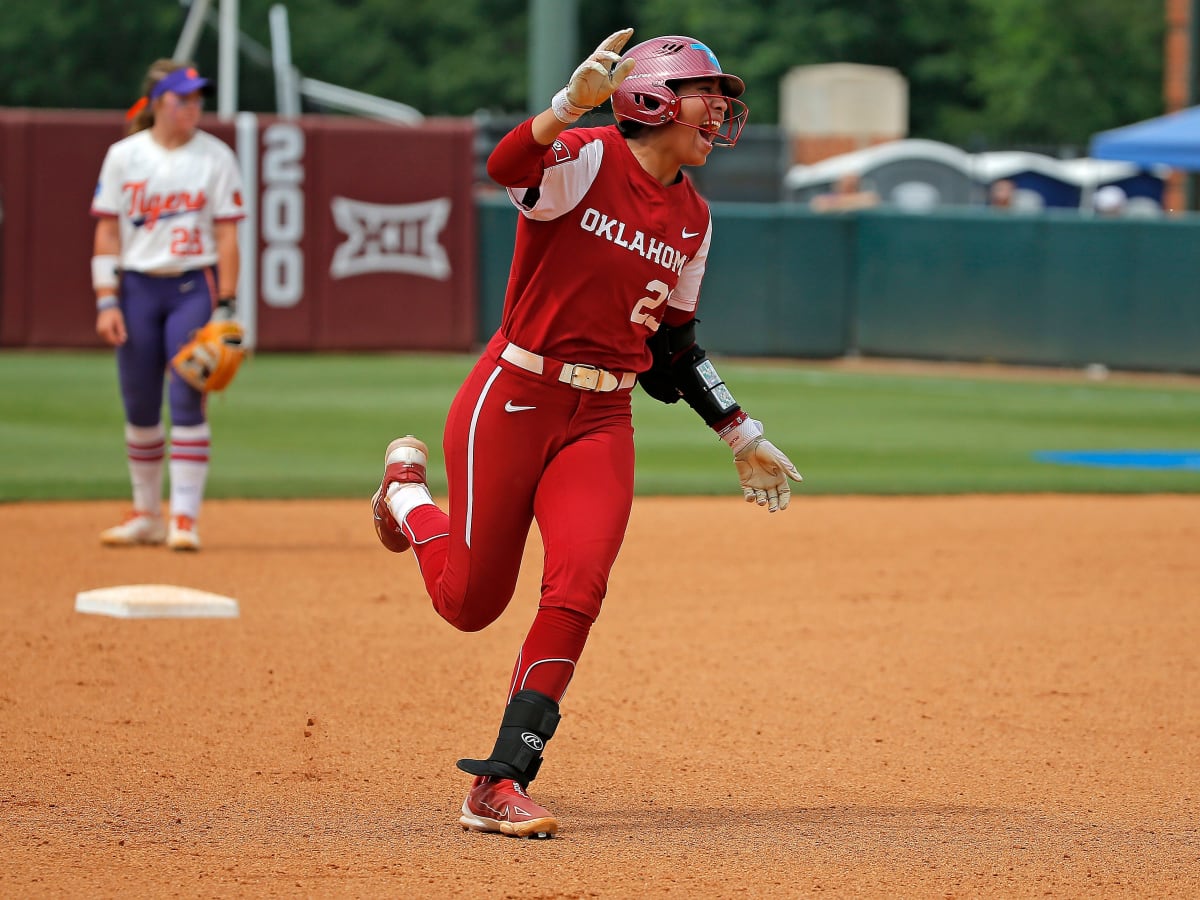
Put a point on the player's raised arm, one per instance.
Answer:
(516, 161)
(592, 82)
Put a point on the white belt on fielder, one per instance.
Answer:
(577, 375)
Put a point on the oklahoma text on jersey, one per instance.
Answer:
(664, 254)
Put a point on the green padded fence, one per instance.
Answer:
(1046, 289)
(776, 283)
(1043, 289)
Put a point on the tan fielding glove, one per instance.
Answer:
(212, 357)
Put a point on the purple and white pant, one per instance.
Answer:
(160, 315)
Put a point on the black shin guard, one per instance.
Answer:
(529, 721)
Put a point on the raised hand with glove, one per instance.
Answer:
(213, 356)
(594, 80)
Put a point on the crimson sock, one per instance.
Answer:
(551, 649)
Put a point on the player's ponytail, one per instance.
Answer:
(141, 114)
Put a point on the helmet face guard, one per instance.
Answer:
(648, 94)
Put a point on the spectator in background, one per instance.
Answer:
(1006, 196)
(847, 194)
(1001, 194)
(1109, 202)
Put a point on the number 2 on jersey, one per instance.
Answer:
(642, 309)
(186, 242)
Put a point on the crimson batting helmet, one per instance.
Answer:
(648, 96)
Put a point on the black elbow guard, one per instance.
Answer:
(681, 368)
(659, 381)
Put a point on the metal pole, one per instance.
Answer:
(1193, 65)
(287, 89)
(357, 102)
(246, 127)
(1191, 184)
(227, 60)
(553, 48)
(185, 49)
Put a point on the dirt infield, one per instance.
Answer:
(933, 697)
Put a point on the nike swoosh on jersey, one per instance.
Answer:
(689, 234)
(512, 407)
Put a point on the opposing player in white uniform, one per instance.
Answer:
(165, 260)
(612, 244)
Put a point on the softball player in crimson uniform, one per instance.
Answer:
(610, 253)
(166, 260)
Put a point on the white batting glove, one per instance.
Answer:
(762, 468)
(595, 79)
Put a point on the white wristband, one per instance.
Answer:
(740, 436)
(104, 271)
(566, 111)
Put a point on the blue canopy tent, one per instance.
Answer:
(1171, 140)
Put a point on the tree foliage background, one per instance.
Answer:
(980, 72)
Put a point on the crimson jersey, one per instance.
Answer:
(603, 248)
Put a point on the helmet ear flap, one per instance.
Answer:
(647, 102)
(650, 107)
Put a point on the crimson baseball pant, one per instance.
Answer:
(521, 447)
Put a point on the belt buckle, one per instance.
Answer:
(585, 377)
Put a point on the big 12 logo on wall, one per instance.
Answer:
(398, 237)
(341, 267)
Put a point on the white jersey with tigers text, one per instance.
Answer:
(166, 200)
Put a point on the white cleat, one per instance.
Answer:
(138, 528)
(183, 535)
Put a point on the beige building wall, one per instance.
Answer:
(838, 107)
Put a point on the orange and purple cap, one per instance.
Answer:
(181, 81)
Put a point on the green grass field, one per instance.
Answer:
(298, 425)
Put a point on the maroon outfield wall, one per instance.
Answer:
(366, 231)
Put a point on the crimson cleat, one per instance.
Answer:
(404, 463)
(501, 806)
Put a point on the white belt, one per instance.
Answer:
(577, 375)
